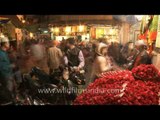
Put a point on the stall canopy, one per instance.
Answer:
(4, 20)
(13, 18)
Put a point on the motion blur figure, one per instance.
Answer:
(155, 55)
(142, 55)
(54, 57)
(14, 59)
(101, 62)
(37, 51)
(6, 75)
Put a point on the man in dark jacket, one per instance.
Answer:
(74, 55)
(142, 56)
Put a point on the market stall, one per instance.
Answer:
(62, 32)
(85, 28)
(86, 32)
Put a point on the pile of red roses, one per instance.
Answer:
(146, 72)
(109, 88)
(121, 88)
(140, 93)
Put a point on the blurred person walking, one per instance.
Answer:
(101, 62)
(155, 56)
(54, 57)
(6, 74)
(38, 52)
(142, 56)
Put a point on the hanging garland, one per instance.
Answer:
(153, 29)
(146, 21)
(148, 29)
(144, 28)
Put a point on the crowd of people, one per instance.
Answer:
(95, 57)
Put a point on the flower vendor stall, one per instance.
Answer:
(140, 86)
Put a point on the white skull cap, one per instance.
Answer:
(4, 39)
(140, 42)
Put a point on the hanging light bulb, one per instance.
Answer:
(81, 28)
(52, 29)
(56, 29)
(23, 21)
(31, 35)
(68, 29)
(1, 35)
(111, 31)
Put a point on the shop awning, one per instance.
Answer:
(63, 20)
(126, 18)
(14, 19)
(86, 22)
(4, 20)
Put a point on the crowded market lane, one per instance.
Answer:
(91, 63)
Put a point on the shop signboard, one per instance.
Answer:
(85, 17)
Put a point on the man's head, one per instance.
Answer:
(55, 42)
(140, 44)
(131, 45)
(101, 49)
(70, 42)
(4, 43)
